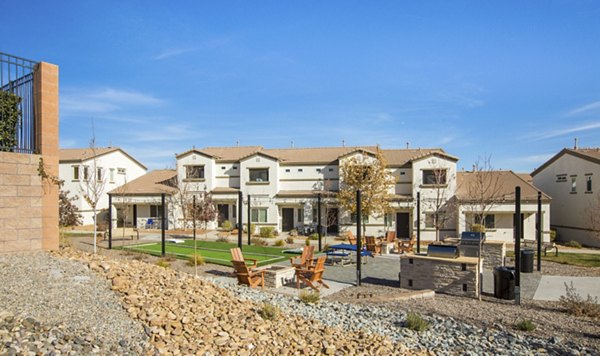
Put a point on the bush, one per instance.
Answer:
(163, 263)
(199, 260)
(415, 321)
(275, 232)
(246, 228)
(227, 225)
(294, 232)
(267, 232)
(279, 243)
(573, 303)
(325, 247)
(307, 241)
(573, 244)
(553, 235)
(257, 241)
(314, 236)
(222, 238)
(269, 311)
(289, 240)
(309, 297)
(525, 325)
(477, 228)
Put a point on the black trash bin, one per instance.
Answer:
(504, 283)
(527, 257)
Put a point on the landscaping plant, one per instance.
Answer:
(257, 241)
(227, 225)
(163, 263)
(525, 325)
(269, 311)
(573, 244)
(309, 297)
(267, 232)
(415, 321)
(289, 240)
(196, 260)
(575, 304)
(279, 243)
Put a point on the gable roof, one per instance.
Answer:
(151, 183)
(588, 154)
(507, 180)
(84, 154)
(316, 155)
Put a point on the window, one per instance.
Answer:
(300, 215)
(318, 170)
(434, 176)
(573, 184)
(76, 172)
(259, 215)
(588, 184)
(330, 169)
(234, 212)
(155, 211)
(560, 178)
(402, 173)
(299, 169)
(365, 218)
(111, 175)
(287, 170)
(489, 223)
(234, 167)
(429, 220)
(194, 172)
(86, 172)
(388, 219)
(121, 170)
(259, 175)
(222, 167)
(314, 215)
(99, 175)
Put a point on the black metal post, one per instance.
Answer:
(110, 222)
(418, 222)
(240, 221)
(162, 224)
(358, 238)
(539, 232)
(319, 221)
(517, 234)
(249, 213)
(194, 215)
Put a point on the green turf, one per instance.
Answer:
(567, 258)
(214, 252)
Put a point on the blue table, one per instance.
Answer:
(344, 255)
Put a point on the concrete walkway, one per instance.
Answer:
(553, 287)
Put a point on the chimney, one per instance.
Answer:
(473, 168)
(292, 143)
(407, 145)
(343, 143)
(237, 143)
(575, 144)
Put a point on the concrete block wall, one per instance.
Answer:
(452, 276)
(493, 254)
(20, 202)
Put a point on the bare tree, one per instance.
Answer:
(442, 203)
(370, 176)
(182, 201)
(594, 216)
(206, 210)
(93, 185)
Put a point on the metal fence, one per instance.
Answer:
(16, 77)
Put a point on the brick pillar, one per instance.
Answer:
(46, 106)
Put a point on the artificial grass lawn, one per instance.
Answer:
(213, 252)
(575, 259)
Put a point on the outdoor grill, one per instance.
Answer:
(469, 243)
(443, 251)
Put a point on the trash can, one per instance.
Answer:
(504, 283)
(527, 257)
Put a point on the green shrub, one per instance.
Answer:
(415, 321)
(269, 311)
(573, 244)
(163, 263)
(477, 228)
(314, 236)
(553, 235)
(525, 325)
(294, 232)
(325, 247)
(307, 241)
(227, 225)
(279, 243)
(267, 232)
(289, 240)
(246, 228)
(275, 232)
(199, 260)
(574, 303)
(309, 297)
(257, 241)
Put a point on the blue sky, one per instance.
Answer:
(514, 80)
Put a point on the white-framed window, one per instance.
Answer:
(573, 184)
(99, 174)
(314, 215)
(259, 174)
(434, 176)
(588, 183)
(330, 169)
(86, 172)
(111, 175)
(194, 172)
(560, 178)
(489, 223)
(318, 170)
(155, 211)
(287, 170)
(429, 220)
(234, 212)
(365, 218)
(75, 172)
(300, 215)
(299, 169)
(258, 215)
(121, 170)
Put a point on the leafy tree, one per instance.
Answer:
(369, 175)
(9, 119)
(68, 213)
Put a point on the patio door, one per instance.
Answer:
(223, 213)
(287, 219)
(403, 225)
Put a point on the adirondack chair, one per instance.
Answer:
(236, 256)
(351, 238)
(390, 237)
(305, 260)
(407, 245)
(248, 276)
(312, 276)
(373, 245)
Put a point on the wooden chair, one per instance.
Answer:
(305, 260)
(390, 236)
(351, 238)
(248, 276)
(236, 256)
(407, 245)
(372, 245)
(312, 276)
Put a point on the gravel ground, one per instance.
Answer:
(41, 292)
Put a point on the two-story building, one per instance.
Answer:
(95, 172)
(571, 179)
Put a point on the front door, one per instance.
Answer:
(287, 219)
(403, 225)
(332, 221)
(223, 213)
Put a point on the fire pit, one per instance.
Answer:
(278, 276)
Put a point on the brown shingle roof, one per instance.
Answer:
(226, 154)
(151, 183)
(304, 193)
(507, 180)
(588, 154)
(83, 154)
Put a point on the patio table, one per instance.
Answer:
(345, 250)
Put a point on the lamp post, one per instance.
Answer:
(162, 224)
(319, 228)
(517, 234)
(240, 202)
(539, 231)
(418, 222)
(249, 233)
(358, 238)
(110, 222)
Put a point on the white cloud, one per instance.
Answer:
(174, 52)
(584, 109)
(566, 131)
(77, 101)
